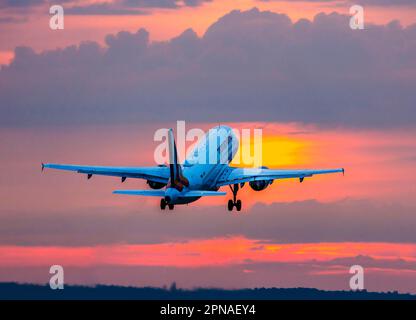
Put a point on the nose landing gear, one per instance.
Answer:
(234, 202)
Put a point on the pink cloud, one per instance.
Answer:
(199, 253)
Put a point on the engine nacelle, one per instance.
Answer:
(260, 185)
(156, 185)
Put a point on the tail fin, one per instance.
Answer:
(177, 180)
(173, 157)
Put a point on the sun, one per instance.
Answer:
(277, 151)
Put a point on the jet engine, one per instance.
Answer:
(155, 185)
(260, 185)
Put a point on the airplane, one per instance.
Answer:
(185, 183)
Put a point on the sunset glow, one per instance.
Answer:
(199, 253)
(324, 96)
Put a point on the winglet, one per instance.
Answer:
(343, 171)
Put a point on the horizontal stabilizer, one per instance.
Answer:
(148, 193)
(161, 193)
(199, 193)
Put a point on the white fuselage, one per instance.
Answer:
(206, 163)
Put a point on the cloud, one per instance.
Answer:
(102, 9)
(380, 275)
(151, 4)
(10, 19)
(351, 2)
(117, 7)
(128, 7)
(251, 65)
(195, 3)
(25, 4)
(298, 222)
(385, 2)
(163, 3)
(20, 3)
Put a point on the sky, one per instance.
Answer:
(324, 95)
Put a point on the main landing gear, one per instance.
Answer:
(234, 202)
(163, 205)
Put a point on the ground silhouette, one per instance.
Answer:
(12, 291)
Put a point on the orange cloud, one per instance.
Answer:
(199, 253)
(6, 57)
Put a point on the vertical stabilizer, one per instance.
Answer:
(177, 180)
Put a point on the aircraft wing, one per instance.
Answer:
(240, 175)
(156, 174)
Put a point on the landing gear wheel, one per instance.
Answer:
(230, 205)
(238, 205)
(234, 202)
(162, 204)
(171, 206)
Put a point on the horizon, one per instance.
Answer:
(324, 95)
